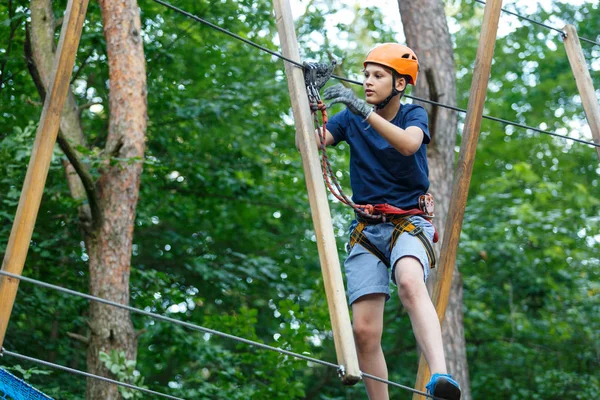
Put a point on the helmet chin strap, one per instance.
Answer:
(385, 102)
(395, 92)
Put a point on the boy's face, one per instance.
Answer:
(378, 83)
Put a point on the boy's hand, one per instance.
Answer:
(318, 73)
(341, 94)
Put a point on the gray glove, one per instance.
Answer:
(341, 94)
(318, 73)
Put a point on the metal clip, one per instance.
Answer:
(426, 204)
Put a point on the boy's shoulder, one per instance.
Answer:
(412, 112)
(410, 107)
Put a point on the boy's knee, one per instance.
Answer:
(410, 284)
(366, 335)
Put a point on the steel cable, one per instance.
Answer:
(562, 33)
(198, 328)
(299, 65)
(3, 352)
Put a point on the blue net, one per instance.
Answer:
(14, 388)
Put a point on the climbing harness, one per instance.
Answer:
(402, 224)
(401, 221)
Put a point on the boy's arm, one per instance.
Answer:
(406, 141)
(329, 140)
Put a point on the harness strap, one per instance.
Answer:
(359, 237)
(401, 225)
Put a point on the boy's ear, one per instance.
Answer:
(401, 83)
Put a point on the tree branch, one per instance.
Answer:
(11, 36)
(86, 106)
(58, 23)
(140, 333)
(76, 336)
(28, 100)
(68, 150)
(33, 70)
(180, 35)
(84, 175)
(82, 66)
(433, 96)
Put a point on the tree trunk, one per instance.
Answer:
(427, 34)
(108, 237)
(110, 246)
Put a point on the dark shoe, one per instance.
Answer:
(443, 387)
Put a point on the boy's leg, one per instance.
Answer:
(367, 315)
(411, 270)
(423, 317)
(368, 289)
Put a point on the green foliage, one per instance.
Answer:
(29, 372)
(223, 235)
(124, 371)
(529, 245)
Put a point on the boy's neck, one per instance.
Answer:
(391, 109)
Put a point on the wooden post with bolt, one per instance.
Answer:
(584, 82)
(328, 254)
(41, 155)
(464, 169)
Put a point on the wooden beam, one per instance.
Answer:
(464, 169)
(330, 264)
(41, 155)
(584, 82)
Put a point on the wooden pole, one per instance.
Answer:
(41, 155)
(584, 82)
(330, 264)
(464, 168)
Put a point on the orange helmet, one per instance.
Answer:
(397, 57)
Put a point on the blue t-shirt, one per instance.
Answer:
(379, 174)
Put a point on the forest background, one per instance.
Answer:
(223, 236)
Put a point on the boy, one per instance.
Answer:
(388, 166)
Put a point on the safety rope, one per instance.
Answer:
(4, 352)
(195, 327)
(315, 77)
(365, 211)
(297, 64)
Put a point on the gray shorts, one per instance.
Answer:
(367, 274)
